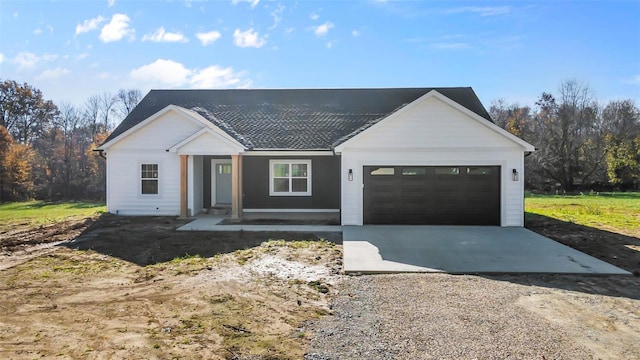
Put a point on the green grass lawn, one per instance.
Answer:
(618, 212)
(41, 213)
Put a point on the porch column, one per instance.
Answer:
(183, 186)
(236, 186)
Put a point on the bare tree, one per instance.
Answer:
(569, 135)
(126, 100)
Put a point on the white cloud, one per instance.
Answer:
(482, 10)
(217, 77)
(53, 73)
(323, 29)
(88, 25)
(37, 31)
(26, 60)
(165, 72)
(314, 16)
(277, 16)
(162, 36)
(111, 2)
(15, 15)
(210, 37)
(82, 56)
(355, 33)
(168, 73)
(330, 44)
(50, 28)
(116, 29)
(248, 38)
(289, 30)
(1, 58)
(253, 3)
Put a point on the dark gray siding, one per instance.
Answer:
(325, 184)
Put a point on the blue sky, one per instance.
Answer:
(509, 50)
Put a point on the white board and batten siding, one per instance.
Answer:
(433, 132)
(147, 145)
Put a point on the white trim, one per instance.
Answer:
(284, 152)
(139, 176)
(186, 113)
(214, 165)
(504, 177)
(213, 132)
(418, 149)
(435, 94)
(290, 162)
(291, 210)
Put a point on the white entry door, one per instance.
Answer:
(221, 183)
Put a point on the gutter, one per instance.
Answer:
(101, 153)
(527, 153)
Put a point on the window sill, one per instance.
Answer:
(290, 194)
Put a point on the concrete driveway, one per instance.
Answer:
(462, 250)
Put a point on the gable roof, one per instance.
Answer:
(292, 119)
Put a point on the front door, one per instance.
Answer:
(222, 183)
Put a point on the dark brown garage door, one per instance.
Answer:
(432, 195)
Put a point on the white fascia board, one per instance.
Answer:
(278, 152)
(291, 210)
(186, 113)
(218, 134)
(434, 93)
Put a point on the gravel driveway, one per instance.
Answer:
(438, 316)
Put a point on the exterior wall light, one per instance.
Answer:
(514, 175)
(350, 176)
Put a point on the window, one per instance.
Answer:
(414, 171)
(149, 177)
(446, 171)
(478, 171)
(224, 168)
(290, 177)
(383, 171)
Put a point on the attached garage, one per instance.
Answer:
(435, 161)
(432, 195)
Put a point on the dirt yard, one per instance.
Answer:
(128, 287)
(133, 288)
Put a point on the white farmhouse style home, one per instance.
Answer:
(376, 156)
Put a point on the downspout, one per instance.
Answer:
(100, 153)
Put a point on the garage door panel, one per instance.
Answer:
(442, 195)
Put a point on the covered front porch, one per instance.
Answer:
(210, 172)
(211, 184)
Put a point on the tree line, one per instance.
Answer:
(46, 150)
(581, 145)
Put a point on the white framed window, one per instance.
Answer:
(290, 177)
(149, 184)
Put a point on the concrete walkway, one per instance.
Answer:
(212, 223)
(462, 250)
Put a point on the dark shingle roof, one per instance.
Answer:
(294, 119)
